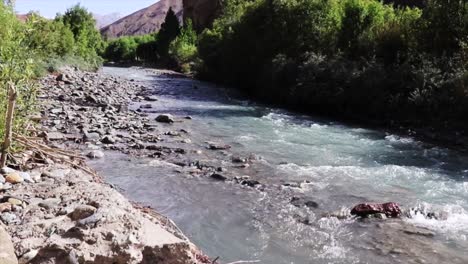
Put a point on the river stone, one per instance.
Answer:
(165, 118)
(151, 99)
(54, 136)
(14, 178)
(6, 170)
(250, 183)
(15, 201)
(2, 179)
(8, 218)
(215, 146)
(108, 140)
(367, 209)
(95, 154)
(30, 255)
(49, 203)
(7, 251)
(91, 136)
(82, 212)
(26, 177)
(146, 106)
(5, 207)
(218, 177)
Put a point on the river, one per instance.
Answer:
(339, 166)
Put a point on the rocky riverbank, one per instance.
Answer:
(55, 213)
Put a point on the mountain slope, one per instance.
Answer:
(144, 21)
(104, 20)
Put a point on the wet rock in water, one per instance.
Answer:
(146, 106)
(91, 136)
(165, 119)
(151, 99)
(239, 160)
(300, 202)
(218, 177)
(250, 183)
(108, 140)
(366, 210)
(82, 212)
(188, 117)
(216, 146)
(14, 178)
(95, 154)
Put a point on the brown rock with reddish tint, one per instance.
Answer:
(367, 209)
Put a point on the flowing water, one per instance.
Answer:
(342, 166)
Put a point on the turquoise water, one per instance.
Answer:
(344, 165)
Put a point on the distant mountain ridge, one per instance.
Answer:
(144, 21)
(104, 20)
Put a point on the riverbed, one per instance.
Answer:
(332, 164)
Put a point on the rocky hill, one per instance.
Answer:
(104, 20)
(144, 21)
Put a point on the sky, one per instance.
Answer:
(49, 8)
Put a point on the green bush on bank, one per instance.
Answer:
(352, 58)
(28, 50)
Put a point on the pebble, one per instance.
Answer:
(14, 178)
(95, 154)
(49, 203)
(82, 212)
(5, 207)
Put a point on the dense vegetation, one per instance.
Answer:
(349, 58)
(28, 49)
(173, 46)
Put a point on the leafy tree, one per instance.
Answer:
(88, 40)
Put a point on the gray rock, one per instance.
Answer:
(165, 118)
(53, 136)
(91, 136)
(108, 140)
(218, 177)
(146, 106)
(27, 177)
(95, 154)
(151, 99)
(2, 179)
(82, 212)
(6, 170)
(8, 218)
(300, 202)
(50, 203)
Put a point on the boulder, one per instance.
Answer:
(108, 140)
(7, 252)
(367, 209)
(165, 118)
